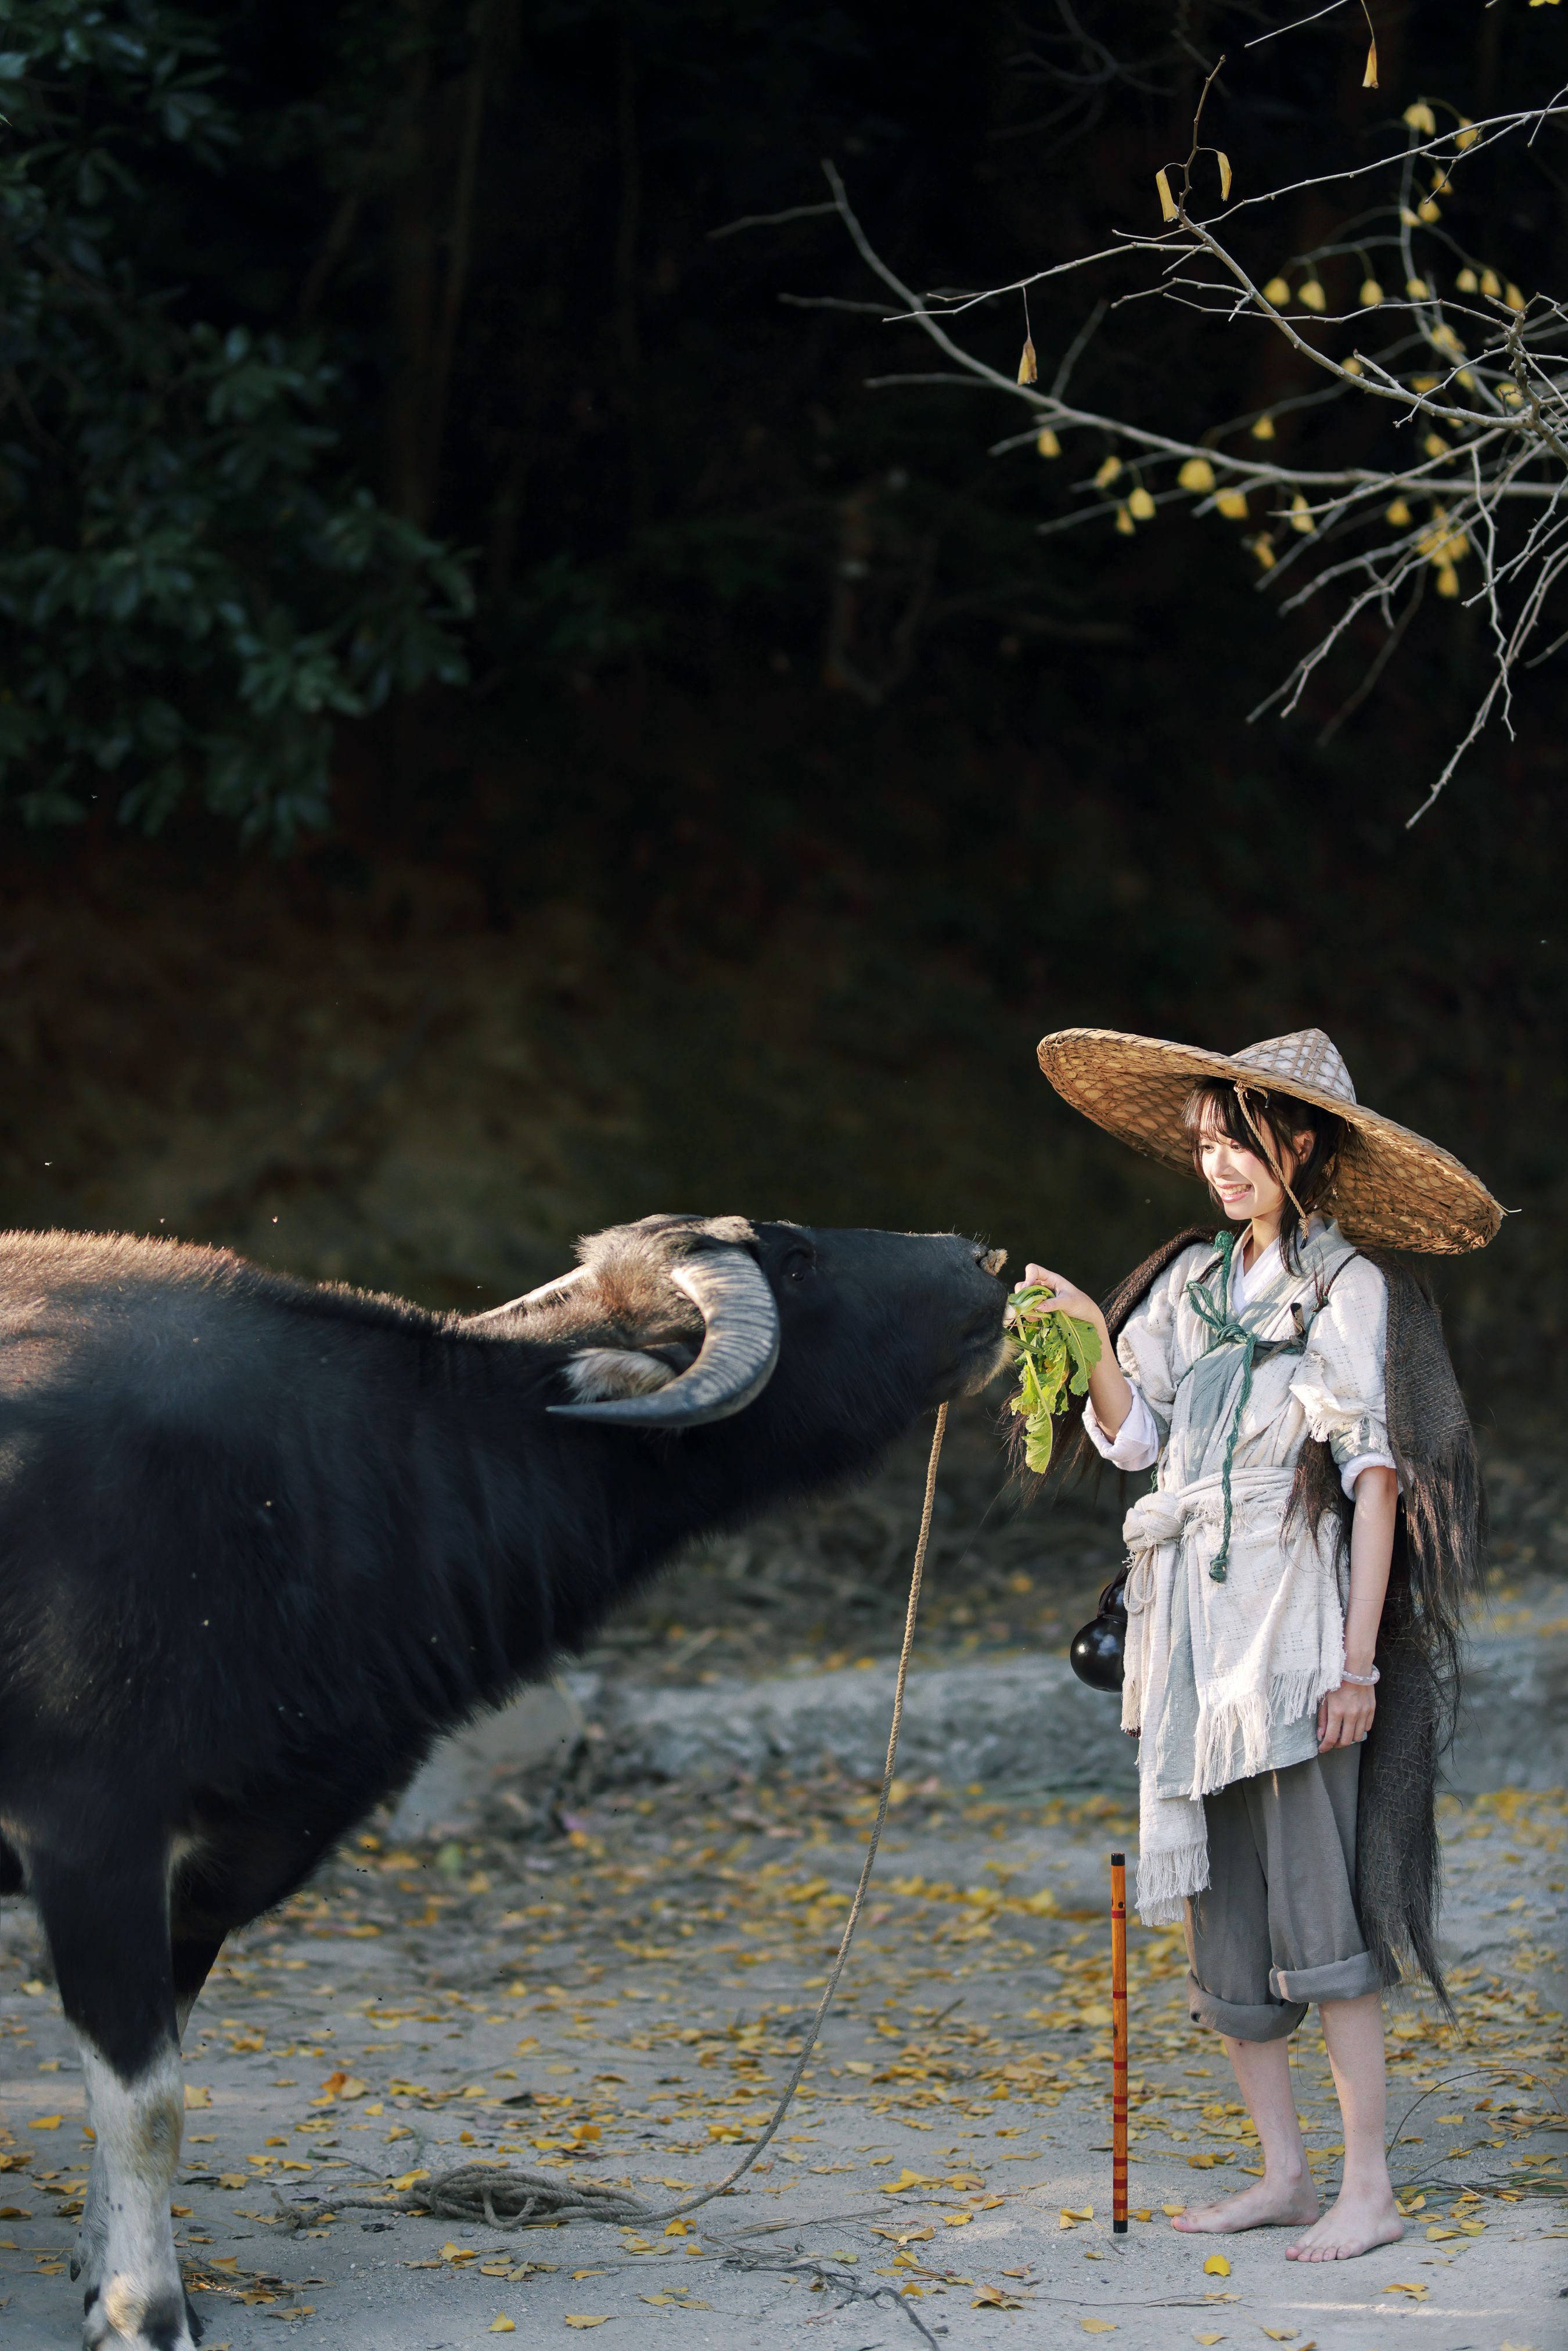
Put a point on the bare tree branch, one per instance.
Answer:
(1472, 372)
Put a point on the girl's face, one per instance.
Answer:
(1241, 1180)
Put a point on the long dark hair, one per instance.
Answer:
(1215, 1107)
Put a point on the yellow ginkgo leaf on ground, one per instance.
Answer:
(1170, 2210)
(1438, 2236)
(1079, 2212)
(1282, 2334)
(1403, 2286)
(1098, 2326)
(1207, 2338)
(1217, 2266)
(502, 2324)
(957, 2219)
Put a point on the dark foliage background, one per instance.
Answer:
(784, 785)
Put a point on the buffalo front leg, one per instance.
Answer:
(108, 1934)
(192, 1961)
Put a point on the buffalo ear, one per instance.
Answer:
(606, 1374)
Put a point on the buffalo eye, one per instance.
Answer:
(798, 1265)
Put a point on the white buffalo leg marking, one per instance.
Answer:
(87, 2256)
(137, 2301)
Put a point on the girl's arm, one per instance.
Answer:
(1344, 1716)
(1109, 1391)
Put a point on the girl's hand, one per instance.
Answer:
(1068, 1298)
(1344, 1716)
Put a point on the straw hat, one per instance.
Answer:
(1390, 1186)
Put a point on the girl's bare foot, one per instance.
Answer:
(1272, 2204)
(1359, 2220)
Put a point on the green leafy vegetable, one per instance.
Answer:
(1055, 1354)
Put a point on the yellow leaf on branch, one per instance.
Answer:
(1513, 297)
(1232, 504)
(1141, 506)
(1301, 514)
(1421, 118)
(1168, 208)
(1417, 289)
(1490, 283)
(1311, 296)
(1197, 473)
(1107, 473)
(1276, 291)
(1398, 514)
(1224, 161)
(1447, 580)
(1467, 282)
(1046, 444)
(1028, 370)
(1369, 78)
(1371, 293)
(1264, 429)
(1126, 525)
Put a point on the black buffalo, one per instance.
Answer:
(261, 1543)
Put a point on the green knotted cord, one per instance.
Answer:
(1224, 1331)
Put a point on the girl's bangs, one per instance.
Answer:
(1212, 1109)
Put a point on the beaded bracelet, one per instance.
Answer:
(1362, 1681)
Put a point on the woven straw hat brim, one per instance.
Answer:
(1392, 1188)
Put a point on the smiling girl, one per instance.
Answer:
(1311, 1534)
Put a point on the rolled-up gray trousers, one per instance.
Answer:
(1276, 1926)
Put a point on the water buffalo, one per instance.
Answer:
(261, 1543)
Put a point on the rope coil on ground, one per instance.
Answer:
(505, 2198)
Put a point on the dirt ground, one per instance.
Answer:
(619, 1999)
(608, 1982)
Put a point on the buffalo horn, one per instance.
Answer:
(546, 1295)
(739, 1349)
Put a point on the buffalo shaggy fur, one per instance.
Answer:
(262, 1543)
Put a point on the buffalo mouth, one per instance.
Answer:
(981, 1354)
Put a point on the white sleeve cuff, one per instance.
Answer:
(1352, 1470)
(1136, 1444)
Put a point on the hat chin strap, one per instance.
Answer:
(1278, 1173)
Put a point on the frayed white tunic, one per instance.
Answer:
(1222, 1679)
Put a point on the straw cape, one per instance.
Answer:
(1390, 1187)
